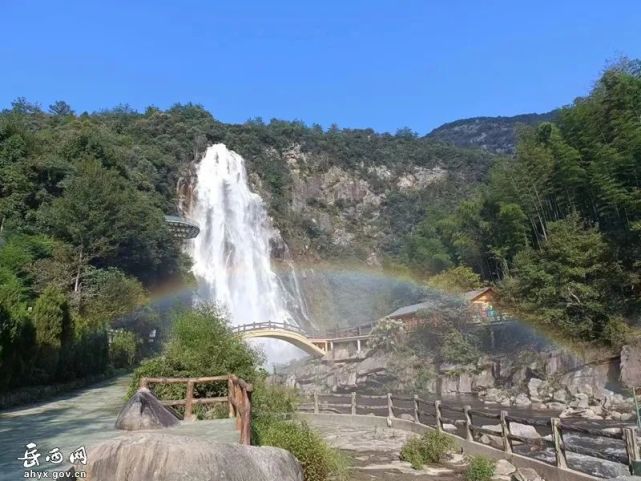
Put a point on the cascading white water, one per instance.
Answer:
(232, 254)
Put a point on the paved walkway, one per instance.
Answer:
(79, 418)
(375, 455)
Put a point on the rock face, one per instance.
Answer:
(164, 457)
(631, 366)
(144, 411)
(575, 386)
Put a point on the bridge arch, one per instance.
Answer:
(295, 338)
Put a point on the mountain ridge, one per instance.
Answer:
(498, 134)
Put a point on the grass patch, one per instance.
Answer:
(428, 448)
(480, 469)
(320, 462)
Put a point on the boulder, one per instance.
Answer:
(526, 474)
(533, 387)
(522, 401)
(631, 365)
(560, 395)
(144, 411)
(494, 441)
(581, 401)
(580, 413)
(450, 428)
(625, 417)
(165, 457)
(503, 468)
(524, 430)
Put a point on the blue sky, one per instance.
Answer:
(379, 64)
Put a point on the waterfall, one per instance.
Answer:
(232, 255)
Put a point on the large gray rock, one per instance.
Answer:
(526, 474)
(504, 468)
(533, 387)
(155, 456)
(144, 411)
(524, 430)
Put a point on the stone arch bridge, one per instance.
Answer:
(316, 345)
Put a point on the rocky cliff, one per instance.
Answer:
(343, 202)
(594, 385)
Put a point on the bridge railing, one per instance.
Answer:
(335, 333)
(269, 325)
(459, 421)
(238, 398)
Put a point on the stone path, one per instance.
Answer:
(79, 418)
(374, 454)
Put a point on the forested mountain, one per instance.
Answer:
(82, 198)
(83, 240)
(494, 134)
(558, 226)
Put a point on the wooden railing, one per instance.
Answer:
(238, 398)
(419, 410)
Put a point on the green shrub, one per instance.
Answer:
(412, 452)
(480, 469)
(388, 335)
(428, 448)
(319, 460)
(457, 348)
(436, 445)
(201, 344)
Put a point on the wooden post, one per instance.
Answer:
(245, 432)
(390, 406)
(416, 415)
(505, 433)
(631, 447)
(437, 413)
(559, 445)
(230, 398)
(468, 423)
(353, 403)
(238, 397)
(316, 408)
(189, 400)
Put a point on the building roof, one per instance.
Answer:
(407, 310)
(471, 295)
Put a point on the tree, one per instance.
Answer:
(60, 108)
(108, 296)
(457, 279)
(201, 344)
(109, 222)
(566, 283)
(54, 326)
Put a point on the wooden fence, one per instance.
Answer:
(238, 398)
(418, 410)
